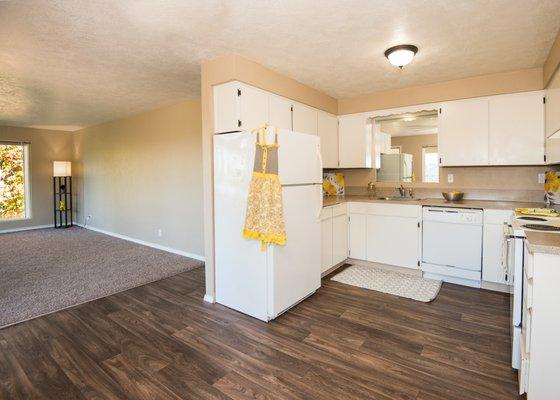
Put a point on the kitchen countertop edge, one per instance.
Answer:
(539, 242)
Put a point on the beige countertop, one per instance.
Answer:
(539, 242)
(543, 242)
(482, 204)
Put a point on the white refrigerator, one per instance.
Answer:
(395, 168)
(264, 284)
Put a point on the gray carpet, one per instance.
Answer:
(46, 270)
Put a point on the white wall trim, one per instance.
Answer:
(209, 298)
(25, 228)
(144, 243)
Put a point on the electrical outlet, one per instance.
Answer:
(449, 178)
(542, 178)
(159, 232)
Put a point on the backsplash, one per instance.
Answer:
(478, 183)
(470, 193)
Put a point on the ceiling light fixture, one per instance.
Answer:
(401, 55)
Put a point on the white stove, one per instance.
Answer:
(514, 238)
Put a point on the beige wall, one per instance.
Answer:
(228, 68)
(552, 62)
(144, 173)
(413, 145)
(45, 147)
(485, 85)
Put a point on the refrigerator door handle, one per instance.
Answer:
(320, 158)
(320, 191)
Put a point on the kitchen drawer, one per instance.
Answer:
(497, 217)
(358, 208)
(326, 213)
(526, 328)
(527, 292)
(339, 209)
(394, 210)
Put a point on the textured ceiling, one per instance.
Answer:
(413, 126)
(80, 62)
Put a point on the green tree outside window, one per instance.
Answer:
(12, 181)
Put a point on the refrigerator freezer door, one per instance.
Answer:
(296, 267)
(299, 158)
(241, 273)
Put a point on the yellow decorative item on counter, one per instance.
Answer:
(552, 187)
(542, 212)
(264, 219)
(333, 184)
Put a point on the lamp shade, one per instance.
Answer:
(62, 168)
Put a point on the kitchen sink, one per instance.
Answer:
(391, 198)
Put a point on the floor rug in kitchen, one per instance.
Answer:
(391, 282)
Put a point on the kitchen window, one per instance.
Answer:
(430, 164)
(14, 181)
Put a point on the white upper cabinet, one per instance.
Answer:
(552, 106)
(239, 107)
(497, 130)
(463, 132)
(516, 129)
(327, 127)
(226, 108)
(279, 112)
(553, 149)
(253, 107)
(355, 141)
(304, 118)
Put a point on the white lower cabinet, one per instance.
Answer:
(385, 233)
(340, 238)
(540, 347)
(493, 247)
(326, 239)
(392, 240)
(393, 234)
(334, 236)
(357, 235)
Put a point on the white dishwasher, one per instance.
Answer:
(452, 244)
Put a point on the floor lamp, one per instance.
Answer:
(62, 191)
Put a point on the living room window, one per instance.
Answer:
(14, 181)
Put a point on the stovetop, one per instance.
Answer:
(542, 227)
(540, 219)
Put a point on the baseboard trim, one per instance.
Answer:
(26, 228)
(145, 243)
(333, 268)
(209, 298)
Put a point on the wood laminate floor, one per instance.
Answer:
(161, 341)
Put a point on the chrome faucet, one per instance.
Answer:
(402, 191)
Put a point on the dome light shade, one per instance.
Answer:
(401, 55)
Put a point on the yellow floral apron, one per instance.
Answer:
(264, 219)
